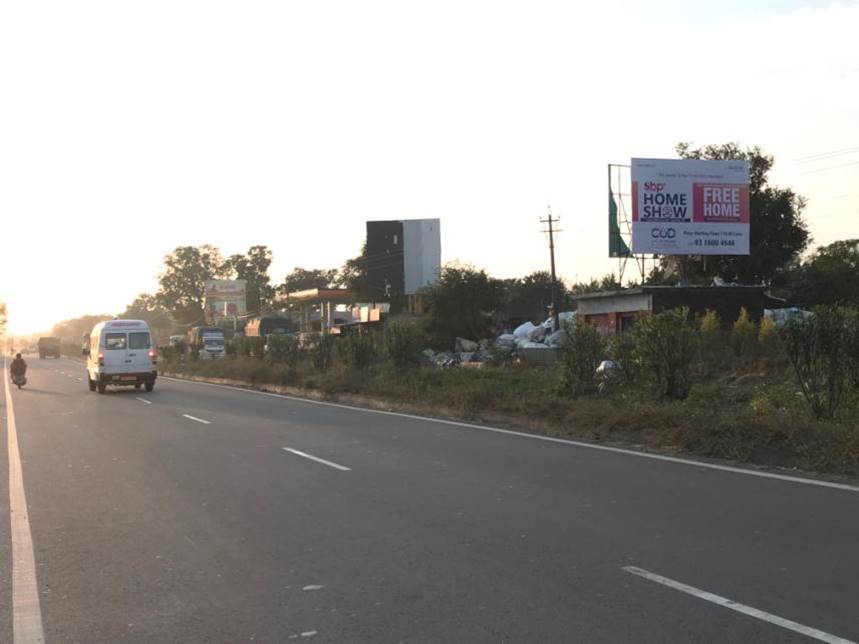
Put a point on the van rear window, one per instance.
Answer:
(115, 341)
(138, 340)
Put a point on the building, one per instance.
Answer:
(402, 256)
(615, 311)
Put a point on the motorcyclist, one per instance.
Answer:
(18, 366)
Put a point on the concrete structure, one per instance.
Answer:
(615, 311)
(325, 299)
(402, 256)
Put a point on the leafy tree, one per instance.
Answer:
(778, 232)
(665, 344)
(73, 330)
(183, 281)
(148, 308)
(830, 276)
(530, 296)
(580, 358)
(253, 269)
(353, 275)
(607, 283)
(3, 319)
(306, 278)
(460, 303)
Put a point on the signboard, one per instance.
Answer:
(225, 299)
(690, 207)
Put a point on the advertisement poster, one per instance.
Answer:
(690, 207)
(225, 299)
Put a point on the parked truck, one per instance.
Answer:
(209, 341)
(49, 348)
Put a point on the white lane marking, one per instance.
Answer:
(143, 400)
(26, 610)
(736, 606)
(548, 439)
(308, 633)
(313, 587)
(199, 420)
(318, 460)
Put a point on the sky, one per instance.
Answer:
(127, 129)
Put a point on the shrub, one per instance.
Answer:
(320, 348)
(621, 349)
(744, 338)
(818, 348)
(358, 349)
(282, 349)
(402, 344)
(249, 347)
(769, 343)
(580, 358)
(665, 343)
(711, 343)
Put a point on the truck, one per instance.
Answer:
(49, 347)
(209, 341)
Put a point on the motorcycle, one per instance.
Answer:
(19, 379)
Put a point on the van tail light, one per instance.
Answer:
(100, 359)
(153, 355)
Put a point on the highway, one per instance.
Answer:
(199, 513)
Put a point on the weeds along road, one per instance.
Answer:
(205, 514)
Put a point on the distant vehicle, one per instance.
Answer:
(121, 353)
(19, 379)
(263, 326)
(209, 341)
(49, 347)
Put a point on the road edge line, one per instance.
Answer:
(550, 439)
(743, 609)
(26, 608)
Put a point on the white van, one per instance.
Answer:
(121, 353)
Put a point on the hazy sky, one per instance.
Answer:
(127, 129)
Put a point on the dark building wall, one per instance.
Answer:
(725, 301)
(385, 258)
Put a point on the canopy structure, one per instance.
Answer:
(325, 298)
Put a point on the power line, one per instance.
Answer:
(825, 155)
(832, 167)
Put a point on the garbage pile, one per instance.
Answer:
(529, 342)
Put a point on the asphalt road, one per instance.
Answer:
(180, 516)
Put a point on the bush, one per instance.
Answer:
(621, 349)
(580, 358)
(402, 344)
(282, 349)
(358, 349)
(818, 348)
(744, 338)
(320, 348)
(249, 347)
(666, 343)
(769, 343)
(711, 342)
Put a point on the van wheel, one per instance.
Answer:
(91, 384)
(150, 385)
(101, 387)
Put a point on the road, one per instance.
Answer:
(181, 516)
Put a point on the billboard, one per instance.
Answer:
(690, 207)
(225, 299)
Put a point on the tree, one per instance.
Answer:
(530, 296)
(148, 308)
(3, 319)
(306, 278)
(353, 275)
(778, 232)
(73, 330)
(183, 281)
(460, 303)
(830, 276)
(253, 269)
(607, 283)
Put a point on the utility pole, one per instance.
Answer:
(551, 230)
